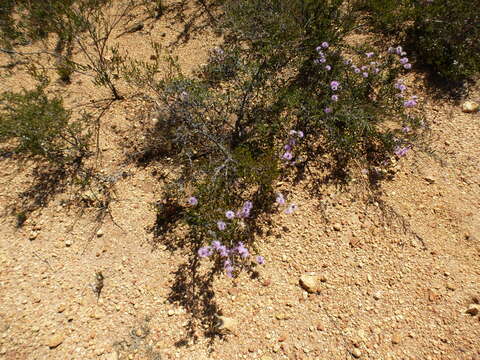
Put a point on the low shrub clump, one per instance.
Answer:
(284, 90)
(38, 125)
(442, 34)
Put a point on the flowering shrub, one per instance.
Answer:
(442, 34)
(282, 90)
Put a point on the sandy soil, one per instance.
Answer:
(399, 267)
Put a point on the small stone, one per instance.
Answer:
(154, 121)
(3, 351)
(396, 338)
(226, 323)
(55, 340)
(337, 227)
(310, 282)
(61, 308)
(33, 235)
(473, 309)
(377, 295)
(476, 299)
(282, 316)
(356, 353)
(429, 179)
(68, 243)
(171, 312)
(320, 327)
(96, 315)
(111, 356)
(276, 348)
(100, 233)
(470, 107)
(451, 286)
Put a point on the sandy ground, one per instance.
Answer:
(399, 267)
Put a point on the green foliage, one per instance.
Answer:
(228, 128)
(443, 34)
(36, 124)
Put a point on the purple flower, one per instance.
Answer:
(193, 201)
(216, 244)
(347, 62)
(287, 147)
(319, 50)
(335, 97)
(324, 44)
(400, 86)
(401, 151)
(391, 50)
(230, 214)
(245, 212)
(287, 155)
(409, 103)
(300, 134)
(334, 85)
(260, 260)
(327, 110)
(280, 199)
(242, 250)
(221, 225)
(223, 251)
(370, 54)
(376, 70)
(357, 70)
(365, 74)
(406, 129)
(328, 67)
(291, 208)
(399, 50)
(323, 60)
(403, 60)
(364, 67)
(293, 132)
(205, 251)
(407, 66)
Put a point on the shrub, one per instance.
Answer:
(283, 90)
(442, 34)
(36, 124)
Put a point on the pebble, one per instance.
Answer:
(356, 353)
(68, 243)
(470, 107)
(429, 179)
(337, 227)
(377, 295)
(451, 286)
(473, 309)
(55, 340)
(3, 351)
(111, 356)
(282, 316)
(61, 308)
(33, 235)
(476, 299)
(310, 282)
(100, 233)
(226, 323)
(396, 338)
